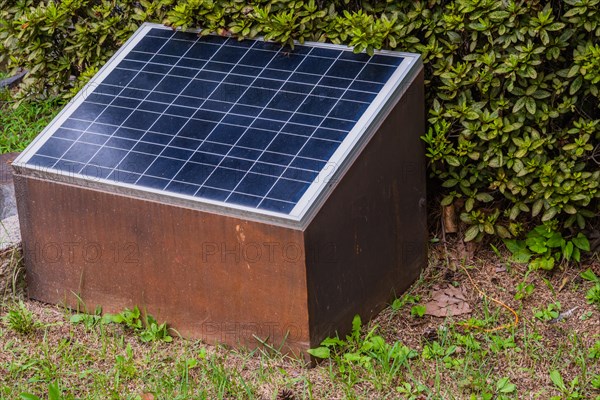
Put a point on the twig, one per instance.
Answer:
(505, 326)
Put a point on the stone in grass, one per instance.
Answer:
(9, 226)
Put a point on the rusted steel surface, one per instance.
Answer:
(372, 230)
(209, 276)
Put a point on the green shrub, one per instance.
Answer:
(512, 86)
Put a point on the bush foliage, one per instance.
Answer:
(513, 86)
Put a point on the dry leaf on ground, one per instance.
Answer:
(446, 302)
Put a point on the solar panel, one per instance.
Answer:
(221, 124)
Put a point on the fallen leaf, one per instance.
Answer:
(447, 302)
(563, 283)
(147, 396)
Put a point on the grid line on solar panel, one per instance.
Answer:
(96, 118)
(220, 66)
(238, 122)
(219, 101)
(274, 188)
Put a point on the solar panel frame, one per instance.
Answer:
(311, 200)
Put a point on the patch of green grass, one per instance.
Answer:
(396, 356)
(21, 123)
(20, 319)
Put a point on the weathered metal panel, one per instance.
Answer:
(372, 227)
(211, 277)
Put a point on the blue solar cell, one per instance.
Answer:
(55, 147)
(239, 80)
(298, 129)
(138, 56)
(320, 149)
(81, 152)
(157, 138)
(244, 199)
(182, 188)
(227, 134)
(276, 206)
(330, 134)
(265, 124)
(257, 97)
(156, 68)
(75, 124)
(287, 189)
(68, 167)
(186, 72)
(162, 59)
(219, 67)
(95, 172)
(214, 148)
(127, 92)
(287, 144)
(124, 177)
(208, 115)
(278, 115)
(237, 120)
(256, 58)
(360, 57)
(136, 162)
(376, 73)
(328, 53)
(228, 53)
(186, 147)
(172, 84)
(194, 173)
(176, 47)
(267, 169)
(145, 80)
(224, 178)
(387, 60)
(256, 184)
(217, 105)
(181, 111)
(108, 157)
(133, 134)
(302, 77)
(180, 154)
(164, 167)
(124, 102)
(88, 111)
(246, 70)
(246, 123)
(67, 134)
(313, 65)
(256, 139)
(41, 162)
(317, 105)
(202, 51)
(148, 148)
(206, 158)
(345, 69)
(212, 193)
(349, 110)
(100, 98)
(191, 64)
(150, 44)
(152, 182)
(140, 119)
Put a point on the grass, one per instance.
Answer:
(398, 355)
(21, 123)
